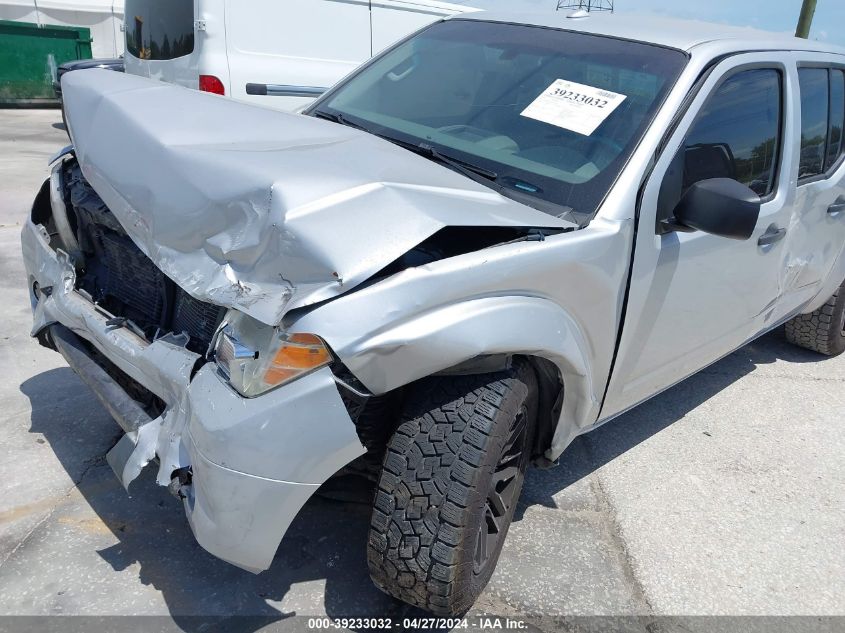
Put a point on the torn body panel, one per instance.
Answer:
(126, 411)
(507, 299)
(258, 210)
(239, 503)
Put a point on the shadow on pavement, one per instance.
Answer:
(591, 451)
(327, 541)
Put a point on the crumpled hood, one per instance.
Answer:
(260, 210)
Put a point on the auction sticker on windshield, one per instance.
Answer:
(574, 106)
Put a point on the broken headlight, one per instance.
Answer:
(256, 358)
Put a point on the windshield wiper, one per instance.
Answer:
(467, 169)
(460, 165)
(336, 117)
(476, 173)
(534, 235)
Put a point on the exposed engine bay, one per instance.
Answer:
(120, 279)
(125, 282)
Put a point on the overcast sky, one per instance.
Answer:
(771, 15)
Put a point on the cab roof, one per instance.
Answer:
(683, 35)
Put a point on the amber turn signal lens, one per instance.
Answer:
(297, 354)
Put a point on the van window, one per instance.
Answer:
(814, 120)
(737, 134)
(837, 118)
(159, 29)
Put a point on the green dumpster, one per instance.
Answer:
(29, 55)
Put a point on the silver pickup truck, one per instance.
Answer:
(494, 237)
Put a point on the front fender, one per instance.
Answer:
(444, 337)
(559, 299)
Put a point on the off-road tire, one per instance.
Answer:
(432, 543)
(822, 331)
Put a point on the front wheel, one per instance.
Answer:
(451, 479)
(822, 331)
(64, 121)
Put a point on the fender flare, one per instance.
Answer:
(433, 341)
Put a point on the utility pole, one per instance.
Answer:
(805, 19)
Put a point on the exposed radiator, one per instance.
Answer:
(126, 282)
(131, 277)
(196, 318)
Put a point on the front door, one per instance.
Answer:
(695, 297)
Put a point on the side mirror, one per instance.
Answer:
(719, 206)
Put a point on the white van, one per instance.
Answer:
(272, 53)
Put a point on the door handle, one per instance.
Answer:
(772, 235)
(836, 208)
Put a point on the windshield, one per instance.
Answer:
(545, 114)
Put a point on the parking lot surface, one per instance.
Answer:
(723, 496)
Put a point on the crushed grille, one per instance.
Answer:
(196, 318)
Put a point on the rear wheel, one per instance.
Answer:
(822, 331)
(451, 479)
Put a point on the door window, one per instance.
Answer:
(837, 117)
(737, 135)
(814, 120)
(822, 116)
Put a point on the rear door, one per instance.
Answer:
(694, 296)
(282, 54)
(817, 226)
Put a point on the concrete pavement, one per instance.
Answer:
(722, 496)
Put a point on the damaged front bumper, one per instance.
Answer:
(253, 462)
